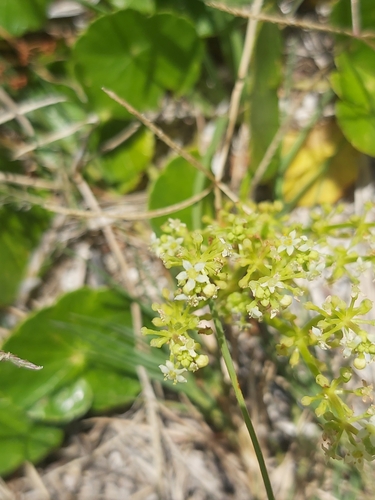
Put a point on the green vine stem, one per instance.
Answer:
(240, 399)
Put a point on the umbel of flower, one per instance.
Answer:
(176, 321)
(339, 324)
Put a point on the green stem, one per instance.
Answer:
(240, 399)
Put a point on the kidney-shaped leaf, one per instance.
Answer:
(68, 403)
(147, 6)
(111, 389)
(21, 439)
(17, 16)
(354, 82)
(138, 57)
(62, 340)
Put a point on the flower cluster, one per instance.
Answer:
(256, 263)
(339, 324)
(176, 323)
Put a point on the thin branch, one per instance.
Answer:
(27, 107)
(287, 21)
(22, 180)
(356, 17)
(21, 363)
(169, 142)
(34, 200)
(13, 108)
(152, 214)
(119, 138)
(238, 87)
(55, 136)
(236, 96)
(108, 232)
(164, 137)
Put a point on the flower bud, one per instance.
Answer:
(201, 360)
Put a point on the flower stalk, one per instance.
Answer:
(223, 344)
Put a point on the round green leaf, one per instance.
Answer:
(68, 403)
(64, 339)
(358, 126)
(21, 439)
(354, 82)
(137, 57)
(147, 6)
(207, 21)
(111, 389)
(19, 16)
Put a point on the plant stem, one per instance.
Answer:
(240, 399)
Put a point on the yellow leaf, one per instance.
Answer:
(323, 169)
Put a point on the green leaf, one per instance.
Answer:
(63, 340)
(208, 21)
(342, 14)
(354, 82)
(21, 439)
(70, 402)
(142, 57)
(177, 182)
(19, 16)
(146, 6)
(264, 114)
(122, 167)
(111, 389)
(19, 233)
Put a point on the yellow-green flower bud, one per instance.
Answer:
(201, 360)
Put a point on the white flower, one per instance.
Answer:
(289, 243)
(191, 276)
(350, 340)
(272, 283)
(227, 252)
(274, 313)
(255, 313)
(187, 345)
(181, 296)
(315, 268)
(356, 454)
(170, 372)
(166, 245)
(317, 332)
(305, 246)
(176, 225)
(368, 430)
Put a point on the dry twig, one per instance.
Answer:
(238, 87)
(172, 144)
(27, 107)
(13, 109)
(22, 180)
(287, 21)
(21, 363)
